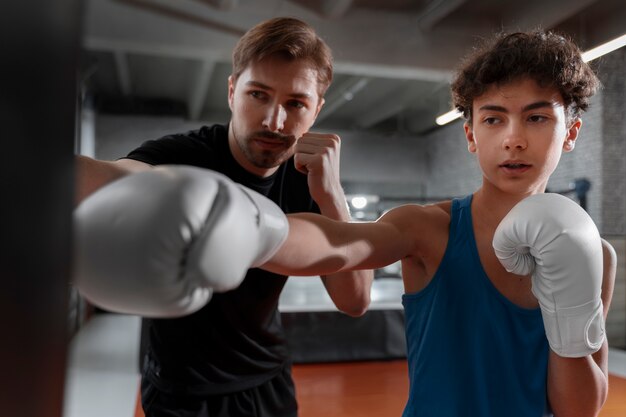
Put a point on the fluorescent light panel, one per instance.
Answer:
(604, 49)
(446, 118)
(587, 56)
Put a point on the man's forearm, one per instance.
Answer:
(349, 290)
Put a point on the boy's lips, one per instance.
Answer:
(516, 167)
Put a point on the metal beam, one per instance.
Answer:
(174, 13)
(392, 71)
(394, 103)
(344, 93)
(200, 89)
(542, 13)
(123, 71)
(153, 49)
(332, 9)
(335, 9)
(226, 5)
(437, 12)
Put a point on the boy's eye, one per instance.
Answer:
(491, 120)
(537, 118)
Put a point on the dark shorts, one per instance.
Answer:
(275, 398)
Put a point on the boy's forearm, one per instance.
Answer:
(577, 386)
(308, 249)
(91, 174)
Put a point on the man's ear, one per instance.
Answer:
(469, 135)
(572, 135)
(319, 107)
(231, 90)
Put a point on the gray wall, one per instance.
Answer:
(613, 76)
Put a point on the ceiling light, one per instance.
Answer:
(605, 48)
(446, 118)
(359, 202)
(587, 56)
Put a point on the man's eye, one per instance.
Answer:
(297, 104)
(257, 94)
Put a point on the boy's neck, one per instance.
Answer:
(492, 204)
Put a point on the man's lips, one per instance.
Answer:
(270, 143)
(271, 140)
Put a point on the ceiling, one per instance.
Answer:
(393, 58)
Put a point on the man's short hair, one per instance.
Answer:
(289, 38)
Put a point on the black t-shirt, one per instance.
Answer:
(236, 341)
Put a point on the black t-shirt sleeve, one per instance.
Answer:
(191, 148)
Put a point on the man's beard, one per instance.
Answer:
(266, 158)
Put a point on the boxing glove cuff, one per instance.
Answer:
(575, 331)
(272, 224)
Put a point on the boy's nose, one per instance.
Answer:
(515, 138)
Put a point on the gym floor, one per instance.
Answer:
(103, 378)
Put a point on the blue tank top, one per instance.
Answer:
(471, 351)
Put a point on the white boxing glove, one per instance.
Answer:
(555, 240)
(158, 243)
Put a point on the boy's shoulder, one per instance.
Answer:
(427, 228)
(415, 213)
(422, 222)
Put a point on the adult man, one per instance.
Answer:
(229, 358)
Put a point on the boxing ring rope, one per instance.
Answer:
(579, 188)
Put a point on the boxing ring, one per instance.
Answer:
(317, 332)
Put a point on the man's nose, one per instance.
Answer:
(275, 118)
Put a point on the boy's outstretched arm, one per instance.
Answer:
(317, 245)
(91, 174)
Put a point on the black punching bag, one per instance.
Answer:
(39, 48)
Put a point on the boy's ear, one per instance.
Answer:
(469, 134)
(572, 135)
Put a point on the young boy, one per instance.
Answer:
(483, 341)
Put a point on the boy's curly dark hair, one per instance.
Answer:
(548, 58)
